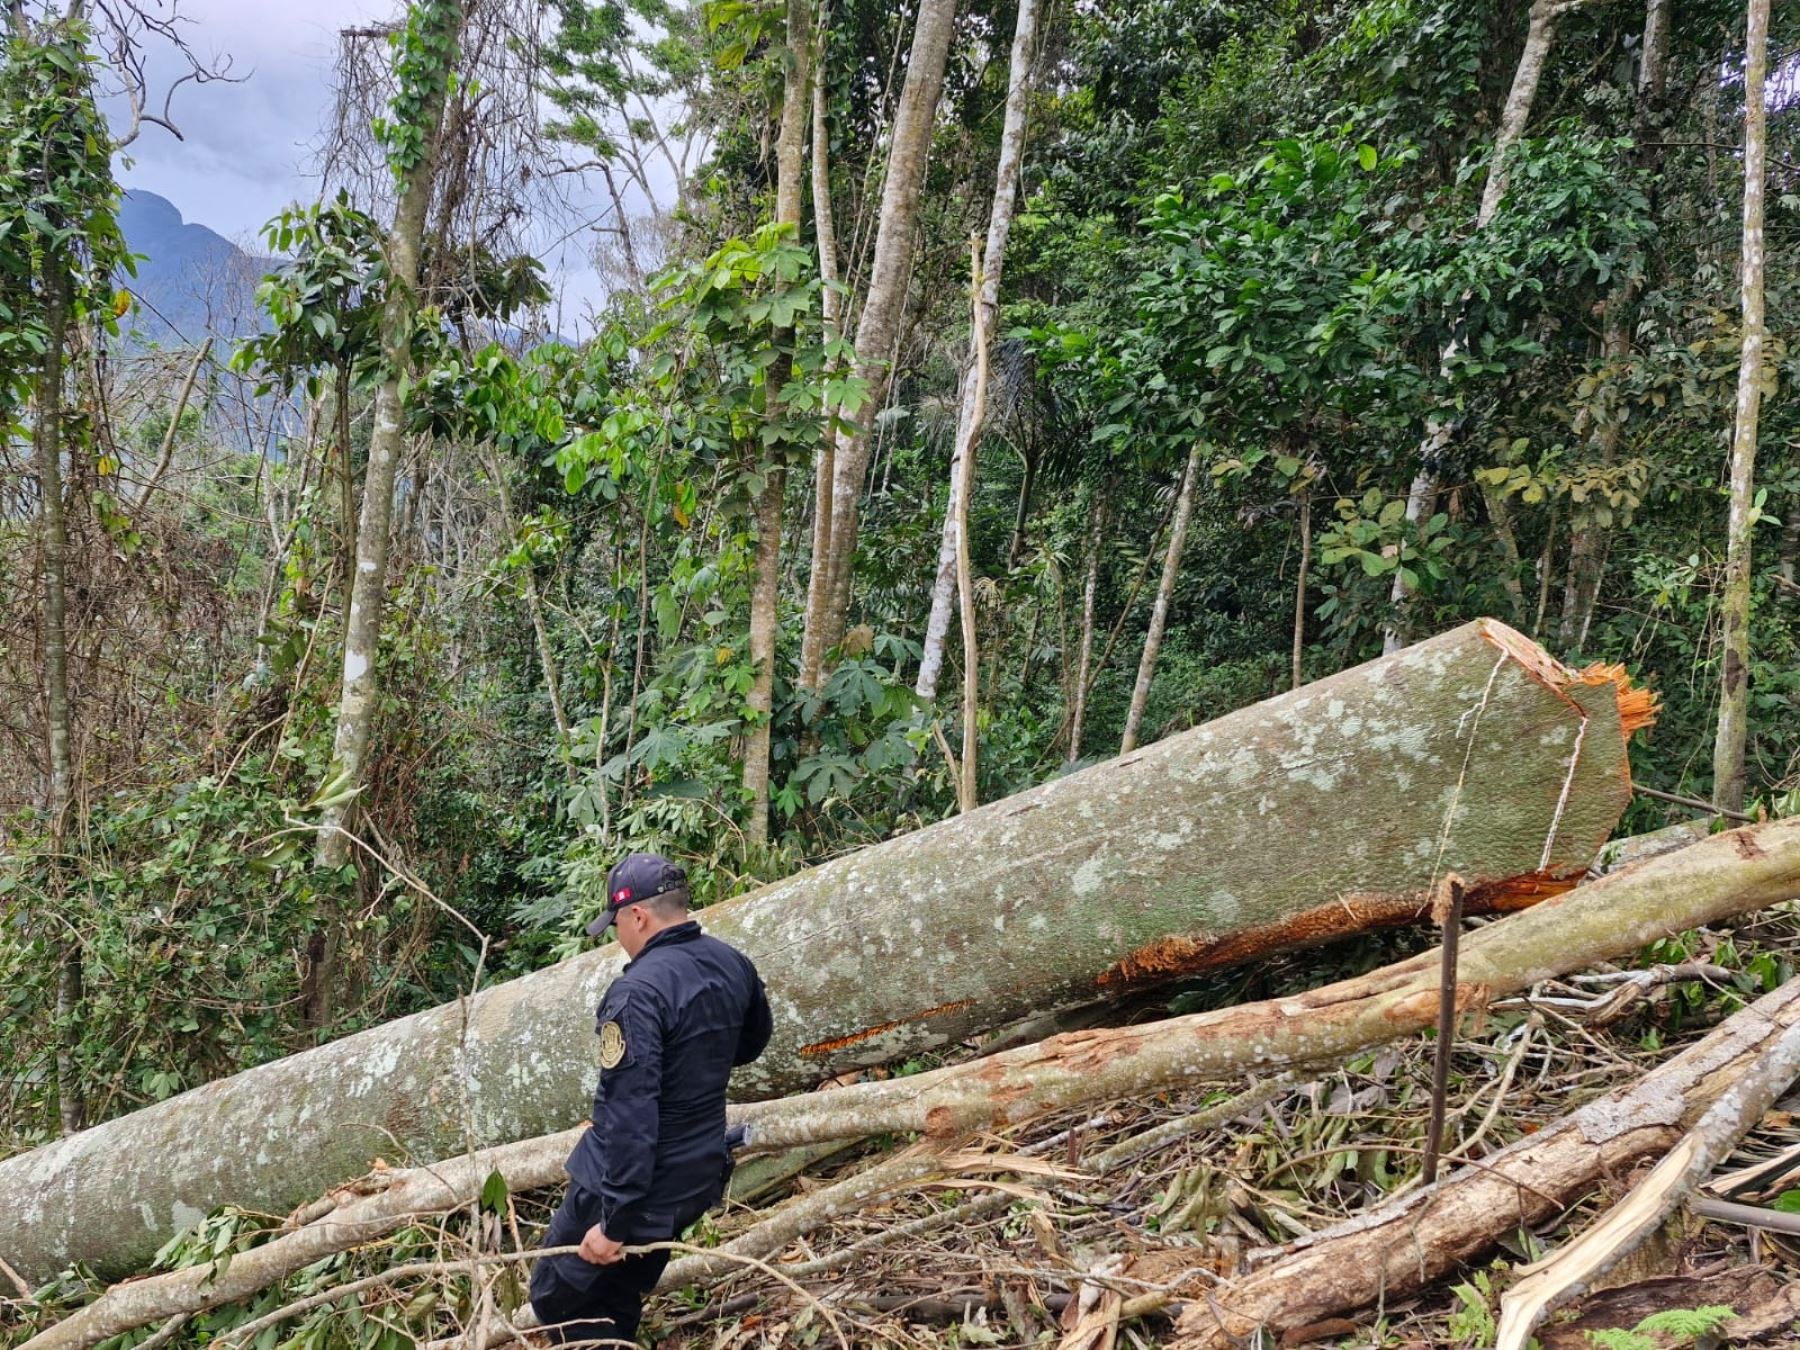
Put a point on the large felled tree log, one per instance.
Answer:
(1327, 810)
(1722, 876)
(1405, 1244)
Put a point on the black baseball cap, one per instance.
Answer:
(635, 877)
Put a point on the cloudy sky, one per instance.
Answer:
(247, 147)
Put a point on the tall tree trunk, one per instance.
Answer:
(1734, 604)
(346, 480)
(1299, 671)
(831, 305)
(968, 424)
(1588, 540)
(1513, 118)
(975, 412)
(1084, 663)
(1015, 547)
(1545, 570)
(878, 330)
(368, 589)
(46, 436)
(765, 591)
(1161, 865)
(1500, 516)
(1159, 612)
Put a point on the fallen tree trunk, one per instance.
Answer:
(1569, 1272)
(1407, 1243)
(1327, 810)
(1726, 875)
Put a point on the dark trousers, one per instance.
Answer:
(579, 1301)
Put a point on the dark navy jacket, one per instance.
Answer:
(689, 1009)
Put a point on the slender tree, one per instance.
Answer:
(1159, 613)
(970, 417)
(1421, 497)
(790, 186)
(831, 303)
(1734, 604)
(968, 795)
(909, 152)
(426, 60)
(57, 183)
(1090, 585)
(1588, 540)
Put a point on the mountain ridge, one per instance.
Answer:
(191, 280)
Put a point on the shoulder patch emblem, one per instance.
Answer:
(612, 1045)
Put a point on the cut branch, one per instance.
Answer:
(1403, 1245)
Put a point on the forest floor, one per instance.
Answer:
(1092, 1230)
(1043, 1250)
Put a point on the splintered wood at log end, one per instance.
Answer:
(1638, 707)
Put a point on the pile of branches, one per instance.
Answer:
(1265, 1190)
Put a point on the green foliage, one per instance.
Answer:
(323, 305)
(1472, 1322)
(425, 56)
(1685, 1325)
(58, 200)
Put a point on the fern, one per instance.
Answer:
(1689, 1324)
(1692, 1323)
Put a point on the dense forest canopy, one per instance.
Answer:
(342, 651)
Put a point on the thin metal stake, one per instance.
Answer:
(1447, 910)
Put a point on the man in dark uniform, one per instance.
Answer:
(686, 1011)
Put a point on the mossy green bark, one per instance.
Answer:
(1330, 808)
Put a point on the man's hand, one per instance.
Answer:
(599, 1249)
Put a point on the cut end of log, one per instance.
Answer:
(1637, 707)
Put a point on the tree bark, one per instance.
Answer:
(46, 437)
(879, 327)
(1159, 611)
(1401, 1246)
(1501, 518)
(1734, 603)
(1515, 768)
(1513, 117)
(1083, 664)
(831, 302)
(972, 411)
(765, 591)
(1391, 1250)
(1299, 675)
(368, 589)
(975, 411)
